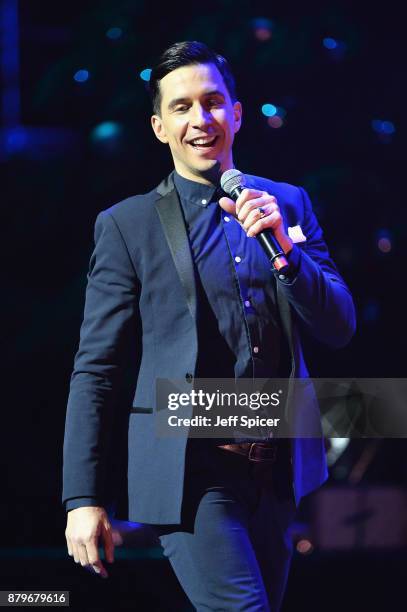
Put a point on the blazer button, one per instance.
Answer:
(189, 377)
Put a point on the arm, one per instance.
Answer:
(107, 335)
(317, 293)
(315, 290)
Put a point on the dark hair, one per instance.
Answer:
(184, 54)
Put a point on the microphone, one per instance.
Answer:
(232, 183)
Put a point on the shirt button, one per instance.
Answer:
(255, 349)
(238, 259)
(247, 303)
(226, 219)
(282, 276)
(204, 201)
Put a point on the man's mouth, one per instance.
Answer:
(204, 142)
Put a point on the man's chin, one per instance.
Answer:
(210, 170)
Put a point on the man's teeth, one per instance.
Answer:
(203, 141)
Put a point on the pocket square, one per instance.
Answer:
(296, 235)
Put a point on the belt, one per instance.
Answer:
(254, 451)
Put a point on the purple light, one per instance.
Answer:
(384, 245)
(275, 122)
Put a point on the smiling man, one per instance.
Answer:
(198, 119)
(182, 262)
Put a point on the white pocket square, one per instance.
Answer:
(296, 235)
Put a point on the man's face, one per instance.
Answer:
(198, 121)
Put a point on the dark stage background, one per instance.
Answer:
(75, 138)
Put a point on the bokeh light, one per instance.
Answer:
(383, 127)
(329, 43)
(81, 76)
(336, 48)
(145, 74)
(304, 546)
(262, 28)
(384, 245)
(106, 130)
(114, 33)
(269, 110)
(371, 311)
(275, 122)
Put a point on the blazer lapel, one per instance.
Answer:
(169, 211)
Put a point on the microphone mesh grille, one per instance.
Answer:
(231, 179)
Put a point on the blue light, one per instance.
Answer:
(329, 43)
(145, 74)
(262, 23)
(114, 33)
(383, 127)
(9, 63)
(269, 110)
(383, 233)
(81, 76)
(388, 127)
(16, 139)
(106, 130)
(371, 311)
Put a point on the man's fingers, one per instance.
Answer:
(247, 195)
(228, 205)
(271, 221)
(75, 552)
(83, 555)
(69, 546)
(99, 569)
(108, 544)
(258, 213)
(94, 560)
(266, 201)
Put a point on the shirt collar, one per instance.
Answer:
(194, 192)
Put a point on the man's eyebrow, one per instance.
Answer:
(175, 101)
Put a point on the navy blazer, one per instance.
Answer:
(141, 269)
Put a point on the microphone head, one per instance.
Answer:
(231, 179)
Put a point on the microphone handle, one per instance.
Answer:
(268, 242)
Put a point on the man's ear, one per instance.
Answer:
(237, 115)
(158, 127)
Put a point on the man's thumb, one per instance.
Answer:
(228, 205)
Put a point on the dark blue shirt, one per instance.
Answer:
(238, 283)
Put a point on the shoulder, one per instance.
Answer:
(132, 208)
(283, 190)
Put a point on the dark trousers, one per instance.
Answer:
(232, 551)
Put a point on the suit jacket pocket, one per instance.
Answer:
(140, 410)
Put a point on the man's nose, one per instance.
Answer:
(199, 116)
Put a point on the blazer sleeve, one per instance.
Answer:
(107, 331)
(318, 295)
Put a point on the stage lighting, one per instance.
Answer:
(145, 74)
(81, 76)
(114, 33)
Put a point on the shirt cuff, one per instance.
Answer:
(80, 502)
(294, 259)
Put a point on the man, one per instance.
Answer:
(210, 306)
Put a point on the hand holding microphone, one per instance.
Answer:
(259, 214)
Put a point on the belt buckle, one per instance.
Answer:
(260, 460)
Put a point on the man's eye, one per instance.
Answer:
(181, 109)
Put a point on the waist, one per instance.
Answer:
(254, 451)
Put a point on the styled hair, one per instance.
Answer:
(185, 54)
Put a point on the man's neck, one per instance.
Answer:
(210, 178)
